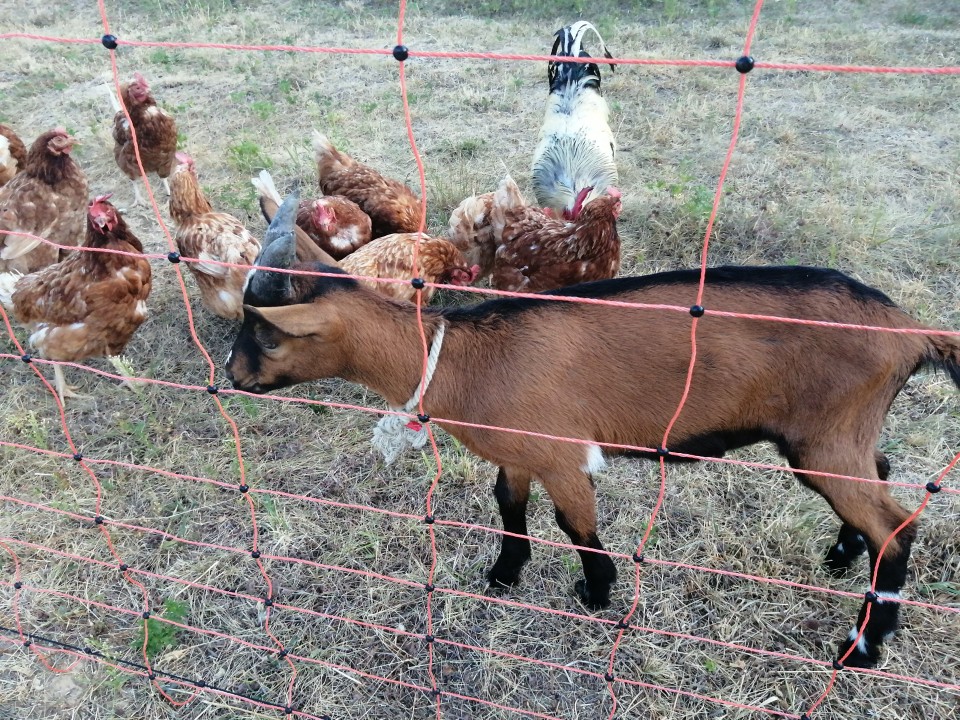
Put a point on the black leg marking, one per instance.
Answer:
(885, 611)
(599, 572)
(512, 495)
(849, 546)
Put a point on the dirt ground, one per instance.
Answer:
(854, 171)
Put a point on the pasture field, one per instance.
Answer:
(859, 172)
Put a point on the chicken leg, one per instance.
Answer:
(64, 390)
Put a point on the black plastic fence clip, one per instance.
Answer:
(27, 358)
(109, 41)
(622, 624)
(837, 665)
(933, 488)
(26, 643)
(201, 683)
(255, 554)
(213, 389)
(870, 596)
(435, 693)
(124, 567)
(417, 283)
(638, 558)
(151, 676)
(283, 653)
(78, 456)
(662, 451)
(429, 587)
(17, 585)
(288, 710)
(90, 651)
(429, 519)
(145, 615)
(243, 487)
(267, 602)
(429, 639)
(423, 418)
(400, 53)
(697, 310)
(744, 64)
(173, 257)
(609, 677)
(98, 520)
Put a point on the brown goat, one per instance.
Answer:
(615, 375)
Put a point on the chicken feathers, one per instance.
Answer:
(391, 205)
(47, 201)
(539, 252)
(574, 160)
(13, 154)
(156, 134)
(471, 231)
(212, 238)
(391, 256)
(90, 304)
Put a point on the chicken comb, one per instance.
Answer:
(137, 77)
(101, 198)
(614, 192)
(182, 158)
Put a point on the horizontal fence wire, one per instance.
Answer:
(101, 523)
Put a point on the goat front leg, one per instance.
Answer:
(512, 492)
(576, 512)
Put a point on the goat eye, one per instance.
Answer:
(265, 341)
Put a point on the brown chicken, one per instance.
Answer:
(13, 154)
(46, 200)
(90, 304)
(391, 256)
(336, 224)
(471, 230)
(391, 205)
(540, 252)
(156, 135)
(270, 202)
(210, 237)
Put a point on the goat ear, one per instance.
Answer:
(296, 320)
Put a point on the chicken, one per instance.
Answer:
(156, 135)
(335, 223)
(13, 154)
(90, 304)
(270, 202)
(391, 256)
(210, 236)
(47, 201)
(574, 161)
(391, 205)
(537, 251)
(471, 231)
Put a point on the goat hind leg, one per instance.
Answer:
(576, 513)
(512, 492)
(850, 543)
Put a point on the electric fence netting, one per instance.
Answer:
(247, 574)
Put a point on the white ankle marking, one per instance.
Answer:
(861, 643)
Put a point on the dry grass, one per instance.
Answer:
(857, 172)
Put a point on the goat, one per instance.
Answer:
(607, 374)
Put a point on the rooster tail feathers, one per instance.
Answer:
(266, 187)
(569, 43)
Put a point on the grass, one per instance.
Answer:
(853, 171)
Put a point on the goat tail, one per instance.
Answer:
(945, 352)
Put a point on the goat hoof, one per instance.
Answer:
(503, 577)
(591, 598)
(837, 563)
(865, 655)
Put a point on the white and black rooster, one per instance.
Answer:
(574, 161)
